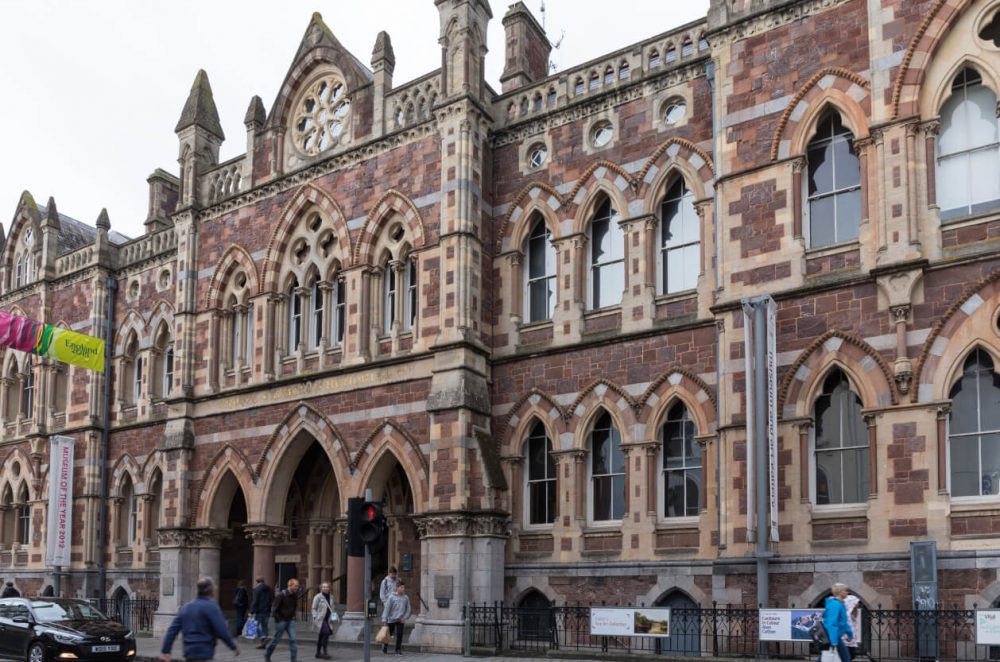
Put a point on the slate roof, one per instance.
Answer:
(74, 234)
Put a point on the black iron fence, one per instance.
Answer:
(134, 613)
(887, 635)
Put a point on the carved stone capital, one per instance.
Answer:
(463, 524)
(900, 314)
(208, 537)
(266, 534)
(515, 258)
(932, 128)
(943, 410)
(902, 374)
(704, 440)
(798, 164)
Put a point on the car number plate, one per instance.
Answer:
(106, 649)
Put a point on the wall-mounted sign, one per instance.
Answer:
(988, 627)
(788, 624)
(630, 621)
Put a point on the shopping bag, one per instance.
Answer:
(250, 629)
(829, 655)
(383, 636)
(818, 634)
(333, 616)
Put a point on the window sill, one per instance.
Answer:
(536, 530)
(531, 326)
(833, 249)
(601, 312)
(976, 505)
(670, 297)
(839, 512)
(970, 219)
(675, 523)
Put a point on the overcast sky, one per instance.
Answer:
(90, 91)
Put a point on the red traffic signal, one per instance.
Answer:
(372, 523)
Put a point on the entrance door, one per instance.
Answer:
(685, 627)
(284, 572)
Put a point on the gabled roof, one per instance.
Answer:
(75, 234)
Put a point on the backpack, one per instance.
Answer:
(818, 634)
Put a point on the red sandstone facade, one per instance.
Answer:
(350, 307)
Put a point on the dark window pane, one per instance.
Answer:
(964, 416)
(674, 494)
(599, 245)
(617, 457)
(989, 401)
(848, 167)
(848, 215)
(823, 478)
(693, 483)
(540, 300)
(536, 255)
(820, 169)
(965, 479)
(536, 458)
(618, 496)
(827, 423)
(602, 498)
(990, 452)
(822, 222)
(599, 451)
(538, 493)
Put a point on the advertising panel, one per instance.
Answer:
(788, 624)
(630, 621)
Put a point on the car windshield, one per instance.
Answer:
(46, 611)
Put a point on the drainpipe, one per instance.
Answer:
(102, 519)
(710, 77)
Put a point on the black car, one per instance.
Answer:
(56, 629)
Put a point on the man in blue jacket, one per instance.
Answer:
(202, 623)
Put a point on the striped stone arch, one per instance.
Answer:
(153, 461)
(603, 176)
(305, 199)
(27, 466)
(676, 383)
(234, 258)
(536, 195)
(132, 321)
(872, 375)
(126, 465)
(392, 201)
(302, 417)
(601, 393)
(681, 155)
(227, 460)
(851, 93)
(917, 58)
(531, 405)
(163, 313)
(389, 438)
(305, 65)
(936, 353)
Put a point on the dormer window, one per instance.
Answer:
(322, 116)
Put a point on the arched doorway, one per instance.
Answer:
(865, 617)
(685, 626)
(535, 618)
(229, 513)
(390, 485)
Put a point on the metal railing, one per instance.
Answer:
(887, 635)
(134, 613)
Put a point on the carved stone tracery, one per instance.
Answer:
(463, 524)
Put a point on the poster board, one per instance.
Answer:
(787, 624)
(988, 627)
(630, 621)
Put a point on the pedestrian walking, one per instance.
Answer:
(835, 622)
(286, 605)
(201, 623)
(852, 604)
(260, 608)
(241, 602)
(388, 585)
(397, 610)
(10, 592)
(324, 612)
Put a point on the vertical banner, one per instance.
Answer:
(748, 390)
(58, 540)
(772, 414)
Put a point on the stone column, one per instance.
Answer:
(515, 262)
(805, 461)
(179, 566)
(265, 537)
(208, 542)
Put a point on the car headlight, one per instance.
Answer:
(130, 635)
(66, 637)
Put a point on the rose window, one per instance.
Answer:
(322, 116)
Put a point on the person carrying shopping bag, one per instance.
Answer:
(837, 627)
(324, 615)
(397, 610)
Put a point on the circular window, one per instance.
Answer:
(164, 278)
(321, 116)
(991, 30)
(537, 156)
(674, 112)
(603, 133)
(133, 289)
(396, 233)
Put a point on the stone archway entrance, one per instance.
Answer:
(401, 548)
(235, 553)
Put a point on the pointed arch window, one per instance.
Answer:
(7, 534)
(137, 381)
(541, 281)
(841, 444)
(316, 309)
(974, 429)
(682, 473)
(607, 471)
(235, 333)
(607, 257)
(153, 506)
(28, 396)
(339, 310)
(294, 316)
(248, 336)
(541, 477)
(410, 305)
(127, 512)
(391, 293)
(680, 240)
(834, 184)
(968, 146)
(12, 392)
(163, 378)
(23, 517)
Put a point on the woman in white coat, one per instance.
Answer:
(324, 613)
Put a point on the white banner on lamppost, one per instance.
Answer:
(748, 393)
(772, 413)
(59, 538)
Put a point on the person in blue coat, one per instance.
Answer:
(835, 622)
(202, 623)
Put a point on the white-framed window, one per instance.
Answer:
(127, 513)
(24, 518)
(974, 429)
(321, 117)
(17, 273)
(28, 399)
(27, 269)
(248, 336)
(840, 444)
(833, 184)
(968, 149)
(137, 382)
(682, 473)
(339, 324)
(607, 257)
(410, 307)
(316, 306)
(168, 371)
(294, 317)
(391, 291)
(541, 273)
(540, 506)
(607, 471)
(680, 240)
(235, 336)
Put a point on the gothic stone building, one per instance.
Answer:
(515, 316)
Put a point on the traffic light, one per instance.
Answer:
(355, 546)
(372, 524)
